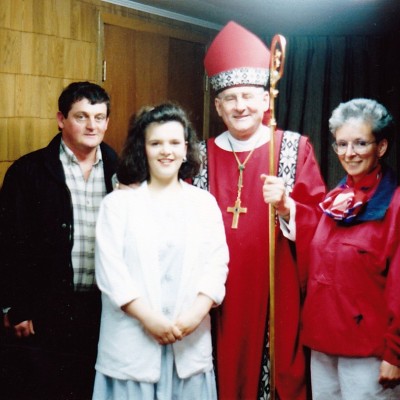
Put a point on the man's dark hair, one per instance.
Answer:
(77, 91)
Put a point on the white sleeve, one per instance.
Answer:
(289, 228)
(112, 272)
(215, 254)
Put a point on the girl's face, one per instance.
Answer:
(358, 163)
(166, 148)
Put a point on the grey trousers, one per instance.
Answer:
(345, 378)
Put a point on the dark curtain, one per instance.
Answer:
(322, 71)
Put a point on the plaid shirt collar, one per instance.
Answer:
(71, 157)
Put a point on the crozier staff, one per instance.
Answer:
(276, 66)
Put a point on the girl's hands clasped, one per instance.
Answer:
(190, 319)
(160, 327)
(156, 324)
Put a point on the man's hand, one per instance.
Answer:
(274, 193)
(23, 329)
(121, 186)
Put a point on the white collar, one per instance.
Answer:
(260, 137)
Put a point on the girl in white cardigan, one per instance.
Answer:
(161, 264)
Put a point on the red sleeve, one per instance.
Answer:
(392, 293)
(309, 190)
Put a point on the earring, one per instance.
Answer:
(184, 159)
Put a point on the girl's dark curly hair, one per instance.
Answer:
(133, 165)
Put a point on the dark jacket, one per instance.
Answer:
(36, 237)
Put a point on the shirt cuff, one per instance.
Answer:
(289, 228)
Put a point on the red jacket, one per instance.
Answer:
(352, 305)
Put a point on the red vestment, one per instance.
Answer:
(239, 324)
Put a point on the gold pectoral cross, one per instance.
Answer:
(236, 210)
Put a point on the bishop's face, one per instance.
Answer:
(242, 109)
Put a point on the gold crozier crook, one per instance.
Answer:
(278, 47)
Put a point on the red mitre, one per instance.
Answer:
(237, 57)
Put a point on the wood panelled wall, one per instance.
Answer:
(44, 46)
(148, 64)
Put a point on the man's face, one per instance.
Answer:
(242, 109)
(84, 128)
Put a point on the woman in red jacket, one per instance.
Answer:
(351, 316)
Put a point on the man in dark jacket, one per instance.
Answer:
(48, 210)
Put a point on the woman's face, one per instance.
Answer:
(165, 150)
(359, 162)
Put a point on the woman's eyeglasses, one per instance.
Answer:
(358, 146)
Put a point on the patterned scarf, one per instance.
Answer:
(345, 201)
